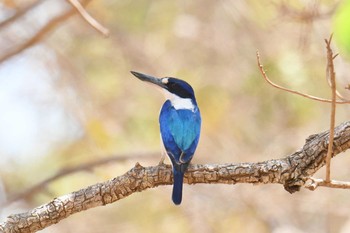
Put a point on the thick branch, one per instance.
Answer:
(291, 171)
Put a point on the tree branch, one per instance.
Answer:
(292, 172)
(67, 171)
(20, 13)
(330, 75)
(88, 18)
(40, 34)
(264, 75)
(315, 183)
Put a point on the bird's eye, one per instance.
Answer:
(174, 86)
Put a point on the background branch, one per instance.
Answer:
(67, 171)
(291, 171)
(88, 18)
(40, 34)
(20, 13)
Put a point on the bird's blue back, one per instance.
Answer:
(180, 130)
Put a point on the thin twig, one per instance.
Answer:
(315, 183)
(330, 74)
(262, 71)
(88, 18)
(340, 96)
(38, 36)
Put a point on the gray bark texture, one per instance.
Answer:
(291, 171)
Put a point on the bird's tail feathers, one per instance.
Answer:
(177, 188)
(182, 167)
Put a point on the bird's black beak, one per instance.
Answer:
(150, 79)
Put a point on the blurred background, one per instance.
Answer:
(67, 99)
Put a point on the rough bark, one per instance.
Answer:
(291, 171)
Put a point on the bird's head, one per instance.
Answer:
(175, 88)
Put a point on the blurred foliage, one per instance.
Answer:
(212, 45)
(341, 26)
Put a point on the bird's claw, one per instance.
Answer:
(161, 162)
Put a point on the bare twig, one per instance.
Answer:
(310, 13)
(315, 183)
(88, 18)
(291, 172)
(330, 74)
(262, 71)
(19, 13)
(41, 33)
(340, 96)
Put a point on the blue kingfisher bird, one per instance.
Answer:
(180, 125)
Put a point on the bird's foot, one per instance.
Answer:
(161, 162)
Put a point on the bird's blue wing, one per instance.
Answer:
(180, 130)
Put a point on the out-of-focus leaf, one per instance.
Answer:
(341, 27)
